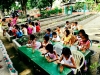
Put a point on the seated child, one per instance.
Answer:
(67, 25)
(58, 31)
(34, 44)
(84, 43)
(67, 37)
(24, 29)
(44, 44)
(37, 27)
(66, 60)
(48, 33)
(51, 55)
(19, 32)
(10, 29)
(55, 38)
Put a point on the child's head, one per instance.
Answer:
(67, 22)
(9, 24)
(66, 52)
(58, 28)
(54, 34)
(81, 33)
(49, 48)
(72, 23)
(32, 23)
(76, 23)
(32, 37)
(85, 38)
(22, 26)
(3, 20)
(36, 24)
(48, 31)
(67, 32)
(46, 38)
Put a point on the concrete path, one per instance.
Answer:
(92, 28)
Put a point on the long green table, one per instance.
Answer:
(38, 59)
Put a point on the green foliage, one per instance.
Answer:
(97, 7)
(79, 5)
(23, 40)
(6, 4)
(94, 65)
(48, 13)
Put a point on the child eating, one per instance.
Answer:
(66, 60)
(51, 55)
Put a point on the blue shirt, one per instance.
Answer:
(19, 34)
(50, 35)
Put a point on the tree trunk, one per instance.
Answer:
(24, 9)
(1, 14)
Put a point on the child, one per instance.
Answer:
(84, 43)
(67, 37)
(58, 31)
(10, 29)
(66, 60)
(67, 25)
(37, 27)
(55, 38)
(34, 44)
(30, 28)
(48, 33)
(51, 55)
(75, 28)
(14, 30)
(34, 28)
(24, 29)
(44, 44)
(19, 32)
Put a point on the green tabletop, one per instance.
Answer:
(50, 68)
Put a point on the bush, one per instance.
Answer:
(45, 13)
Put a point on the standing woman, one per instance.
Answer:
(14, 20)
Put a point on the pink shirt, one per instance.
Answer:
(30, 30)
(14, 21)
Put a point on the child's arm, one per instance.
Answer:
(71, 66)
(61, 58)
(56, 54)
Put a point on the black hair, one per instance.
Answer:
(68, 32)
(54, 33)
(9, 24)
(49, 47)
(22, 25)
(32, 23)
(86, 36)
(46, 38)
(36, 24)
(58, 26)
(25, 26)
(67, 21)
(49, 30)
(66, 52)
(32, 37)
(82, 31)
(76, 23)
(3, 19)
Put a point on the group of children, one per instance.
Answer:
(67, 36)
(24, 29)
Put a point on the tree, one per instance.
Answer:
(5, 4)
(23, 5)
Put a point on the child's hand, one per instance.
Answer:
(58, 61)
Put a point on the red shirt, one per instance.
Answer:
(38, 28)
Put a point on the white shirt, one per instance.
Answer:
(56, 39)
(34, 29)
(24, 31)
(10, 28)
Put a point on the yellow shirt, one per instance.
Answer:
(67, 39)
